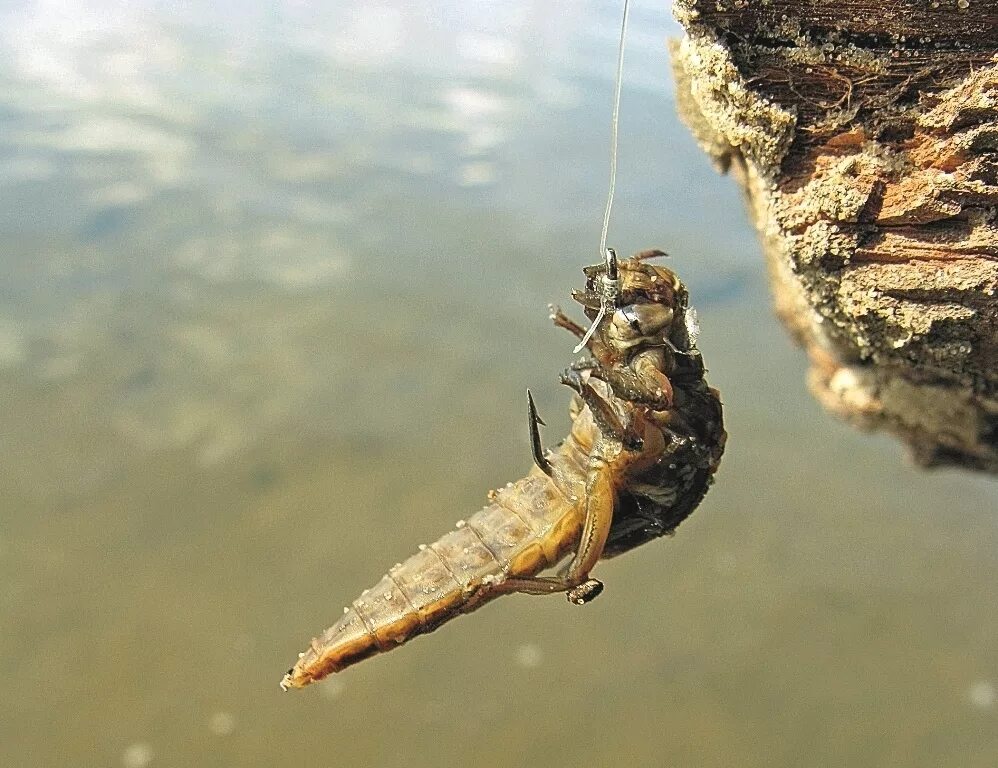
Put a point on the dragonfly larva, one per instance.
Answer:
(647, 436)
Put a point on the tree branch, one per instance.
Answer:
(865, 135)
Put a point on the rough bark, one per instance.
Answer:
(865, 135)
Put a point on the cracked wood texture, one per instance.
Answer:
(865, 135)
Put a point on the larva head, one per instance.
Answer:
(644, 302)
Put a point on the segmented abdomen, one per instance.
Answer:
(530, 525)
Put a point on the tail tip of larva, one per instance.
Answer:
(286, 684)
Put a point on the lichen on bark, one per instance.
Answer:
(866, 138)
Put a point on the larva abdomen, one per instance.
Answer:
(528, 526)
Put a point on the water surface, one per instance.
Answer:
(273, 286)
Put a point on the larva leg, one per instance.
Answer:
(598, 514)
(580, 594)
(594, 345)
(595, 529)
(652, 253)
(564, 321)
(584, 364)
(536, 585)
(595, 525)
(641, 382)
(606, 418)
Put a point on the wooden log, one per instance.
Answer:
(865, 135)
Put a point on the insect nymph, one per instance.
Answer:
(647, 436)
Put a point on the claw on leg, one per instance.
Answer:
(585, 592)
(572, 378)
(535, 437)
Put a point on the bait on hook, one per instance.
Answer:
(646, 438)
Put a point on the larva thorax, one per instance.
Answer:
(649, 371)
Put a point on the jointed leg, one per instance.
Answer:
(564, 321)
(639, 382)
(595, 528)
(652, 253)
(603, 414)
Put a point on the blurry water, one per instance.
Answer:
(273, 285)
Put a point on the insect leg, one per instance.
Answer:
(564, 321)
(580, 594)
(606, 418)
(595, 529)
(640, 382)
(584, 364)
(535, 437)
(652, 253)
(595, 526)
(536, 585)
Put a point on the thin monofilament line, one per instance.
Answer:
(614, 121)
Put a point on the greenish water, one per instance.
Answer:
(272, 287)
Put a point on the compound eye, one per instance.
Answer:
(641, 319)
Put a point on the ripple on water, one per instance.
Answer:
(982, 694)
(529, 656)
(331, 688)
(137, 755)
(222, 723)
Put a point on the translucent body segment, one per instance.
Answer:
(530, 501)
(570, 464)
(571, 461)
(427, 584)
(468, 559)
(573, 454)
(346, 642)
(347, 629)
(551, 508)
(501, 530)
(388, 613)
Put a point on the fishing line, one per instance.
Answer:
(614, 123)
(609, 281)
